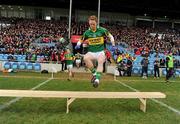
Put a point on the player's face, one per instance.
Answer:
(92, 24)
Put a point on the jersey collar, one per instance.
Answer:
(97, 27)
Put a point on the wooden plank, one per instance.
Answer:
(79, 94)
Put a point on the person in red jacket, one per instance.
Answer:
(108, 55)
(62, 59)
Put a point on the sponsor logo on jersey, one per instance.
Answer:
(96, 41)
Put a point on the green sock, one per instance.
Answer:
(98, 75)
(93, 70)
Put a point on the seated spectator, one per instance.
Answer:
(11, 58)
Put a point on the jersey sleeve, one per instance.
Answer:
(84, 37)
(106, 32)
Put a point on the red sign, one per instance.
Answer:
(75, 38)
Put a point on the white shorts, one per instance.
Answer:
(69, 67)
(97, 55)
(78, 61)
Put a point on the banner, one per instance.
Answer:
(75, 38)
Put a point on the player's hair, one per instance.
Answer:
(93, 17)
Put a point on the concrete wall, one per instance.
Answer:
(51, 67)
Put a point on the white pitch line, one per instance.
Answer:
(148, 81)
(154, 100)
(18, 98)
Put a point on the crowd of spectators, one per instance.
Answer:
(17, 37)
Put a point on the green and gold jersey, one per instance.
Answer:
(95, 39)
(69, 58)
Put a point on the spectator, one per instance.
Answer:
(108, 55)
(62, 59)
(144, 64)
(169, 66)
(156, 68)
(129, 66)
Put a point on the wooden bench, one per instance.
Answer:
(72, 95)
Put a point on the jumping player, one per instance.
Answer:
(95, 37)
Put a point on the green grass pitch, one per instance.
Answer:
(88, 111)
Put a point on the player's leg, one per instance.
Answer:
(101, 59)
(88, 59)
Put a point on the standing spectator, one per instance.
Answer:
(169, 66)
(156, 68)
(57, 56)
(144, 64)
(53, 56)
(108, 55)
(62, 59)
(129, 66)
(119, 58)
(175, 67)
(120, 67)
(162, 62)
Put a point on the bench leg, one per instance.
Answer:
(69, 101)
(143, 104)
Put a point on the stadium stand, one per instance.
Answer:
(18, 39)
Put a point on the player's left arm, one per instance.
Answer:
(111, 39)
(110, 36)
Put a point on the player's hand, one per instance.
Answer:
(77, 46)
(167, 69)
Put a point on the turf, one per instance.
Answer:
(88, 111)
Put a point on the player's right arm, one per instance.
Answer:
(80, 41)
